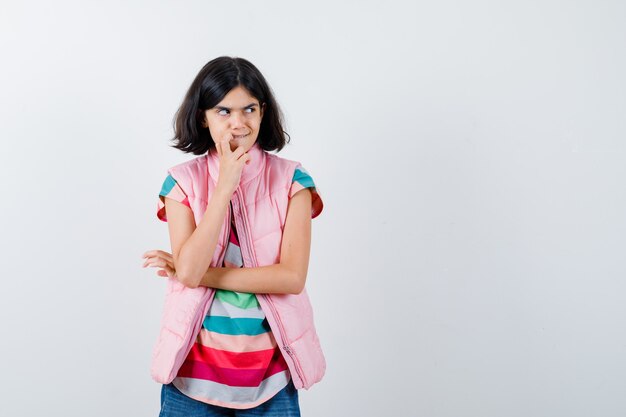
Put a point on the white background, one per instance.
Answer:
(470, 154)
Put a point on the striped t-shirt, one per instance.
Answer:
(235, 361)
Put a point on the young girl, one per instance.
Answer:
(237, 334)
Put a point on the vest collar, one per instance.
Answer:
(250, 170)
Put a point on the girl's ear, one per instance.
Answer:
(262, 109)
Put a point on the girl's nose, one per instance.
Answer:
(236, 120)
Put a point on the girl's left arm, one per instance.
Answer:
(286, 277)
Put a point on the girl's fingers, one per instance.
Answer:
(149, 253)
(160, 259)
(218, 147)
(238, 152)
(226, 145)
(154, 252)
(158, 262)
(166, 273)
(157, 253)
(226, 149)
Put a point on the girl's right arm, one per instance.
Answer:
(193, 247)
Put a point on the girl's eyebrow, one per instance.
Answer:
(243, 108)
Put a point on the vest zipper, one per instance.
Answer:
(248, 241)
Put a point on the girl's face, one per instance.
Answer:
(237, 118)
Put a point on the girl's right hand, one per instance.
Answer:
(160, 259)
(231, 165)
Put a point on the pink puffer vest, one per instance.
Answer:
(260, 207)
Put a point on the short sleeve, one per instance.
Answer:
(301, 180)
(171, 189)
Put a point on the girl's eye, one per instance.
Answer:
(251, 109)
(222, 114)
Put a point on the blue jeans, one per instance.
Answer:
(174, 403)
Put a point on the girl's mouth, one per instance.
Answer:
(240, 136)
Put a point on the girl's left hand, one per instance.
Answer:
(160, 259)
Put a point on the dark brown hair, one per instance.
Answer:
(210, 86)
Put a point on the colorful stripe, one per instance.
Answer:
(220, 308)
(237, 299)
(231, 360)
(302, 176)
(170, 189)
(236, 343)
(302, 180)
(230, 376)
(227, 325)
(242, 397)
